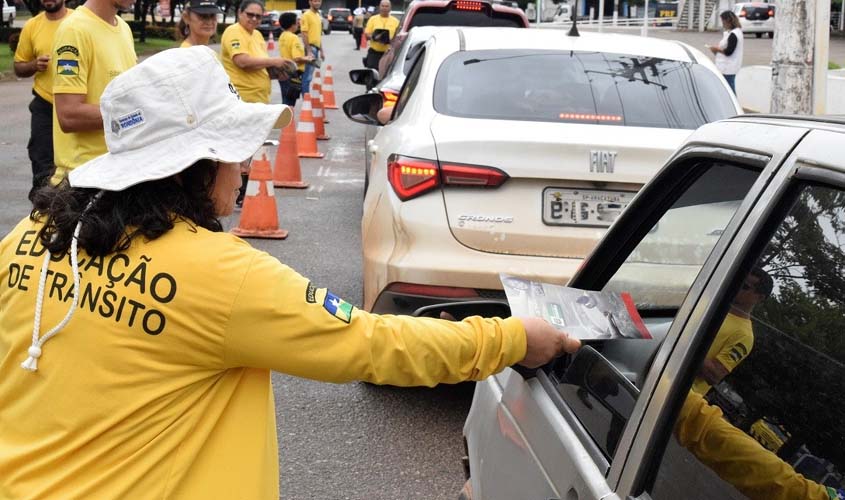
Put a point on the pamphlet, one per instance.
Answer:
(585, 314)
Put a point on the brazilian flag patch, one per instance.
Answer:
(337, 307)
(67, 67)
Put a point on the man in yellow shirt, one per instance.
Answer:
(312, 37)
(735, 338)
(290, 47)
(91, 47)
(380, 31)
(32, 57)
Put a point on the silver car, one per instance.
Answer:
(734, 254)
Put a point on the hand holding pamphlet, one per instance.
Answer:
(585, 314)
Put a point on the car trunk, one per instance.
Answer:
(567, 181)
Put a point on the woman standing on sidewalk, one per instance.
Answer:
(729, 51)
(198, 23)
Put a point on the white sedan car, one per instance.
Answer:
(513, 150)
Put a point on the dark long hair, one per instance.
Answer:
(182, 30)
(147, 210)
(730, 18)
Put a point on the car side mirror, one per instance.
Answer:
(364, 108)
(367, 77)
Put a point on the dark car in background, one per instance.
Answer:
(270, 24)
(340, 19)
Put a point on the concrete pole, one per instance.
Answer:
(702, 7)
(792, 57)
(691, 16)
(601, 16)
(841, 16)
(821, 56)
(616, 12)
(644, 30)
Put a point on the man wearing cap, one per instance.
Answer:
(32, 57)
(139, 366)
(311, 31)
(91, 47)
(379, 31)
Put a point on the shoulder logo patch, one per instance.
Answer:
(67, 48)
(236, 44)
(337, 307)
(311, 293)
(67, 67)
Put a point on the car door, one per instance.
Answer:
(764, 429)
(662, 251)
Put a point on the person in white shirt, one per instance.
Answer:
(729, 51)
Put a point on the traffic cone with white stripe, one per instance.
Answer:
(259, 218)
(319, 79)
(306, 138)
(329, 101)
(271, 44)
(318, 112)
(287, 172)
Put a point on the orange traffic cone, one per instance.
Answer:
(271, 44)
(259, 218)
(328, 90)
(306, 138)
(317, 107)
(287, 172)
(363, 42)
(318, 77)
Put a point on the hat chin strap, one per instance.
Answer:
(35, 350)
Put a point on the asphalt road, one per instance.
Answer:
(350, 441)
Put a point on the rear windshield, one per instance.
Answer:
(580, 87)
(448, 16)
(756, 12)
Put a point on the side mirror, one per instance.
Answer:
(364, 108)
(367, 77)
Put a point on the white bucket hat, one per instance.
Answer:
(168, 112)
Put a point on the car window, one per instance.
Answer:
(410, 85)
(580, 87)
(448, 16)
(760, 419)
(663, 264)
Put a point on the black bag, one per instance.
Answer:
(381, 36)
(294, 87)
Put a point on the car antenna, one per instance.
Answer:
(573, 31)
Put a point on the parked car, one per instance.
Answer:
(618, 420)
(340, 19)
(757, 18)
(9, 12)
(461, 13)
(270, 24)
(490, 117)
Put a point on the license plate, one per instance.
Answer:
(583, 207)
(757, 23)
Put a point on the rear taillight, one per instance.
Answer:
(468, 5)
(330, 18)
(390, 97)
(349, 19)
(450, 292)
(412, 177)
(275, 23)
(771, 12)
(453, 174)
(742, 13)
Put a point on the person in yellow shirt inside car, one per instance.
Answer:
(290, 47)
(92, 45)
(198, 23)
(245, 59)
(32, 57)
(147, 372)
(380, 31)
(311, 30)
(735, 338)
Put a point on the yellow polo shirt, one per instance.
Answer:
(388, 23)
(253, 86)
(87, 54)
(159, 385)
(733, 343)
(36, 40)
(290, 47)
(312, 25)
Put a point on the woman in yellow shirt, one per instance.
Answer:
(244, 57)
(198, 23)
(290, 47)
